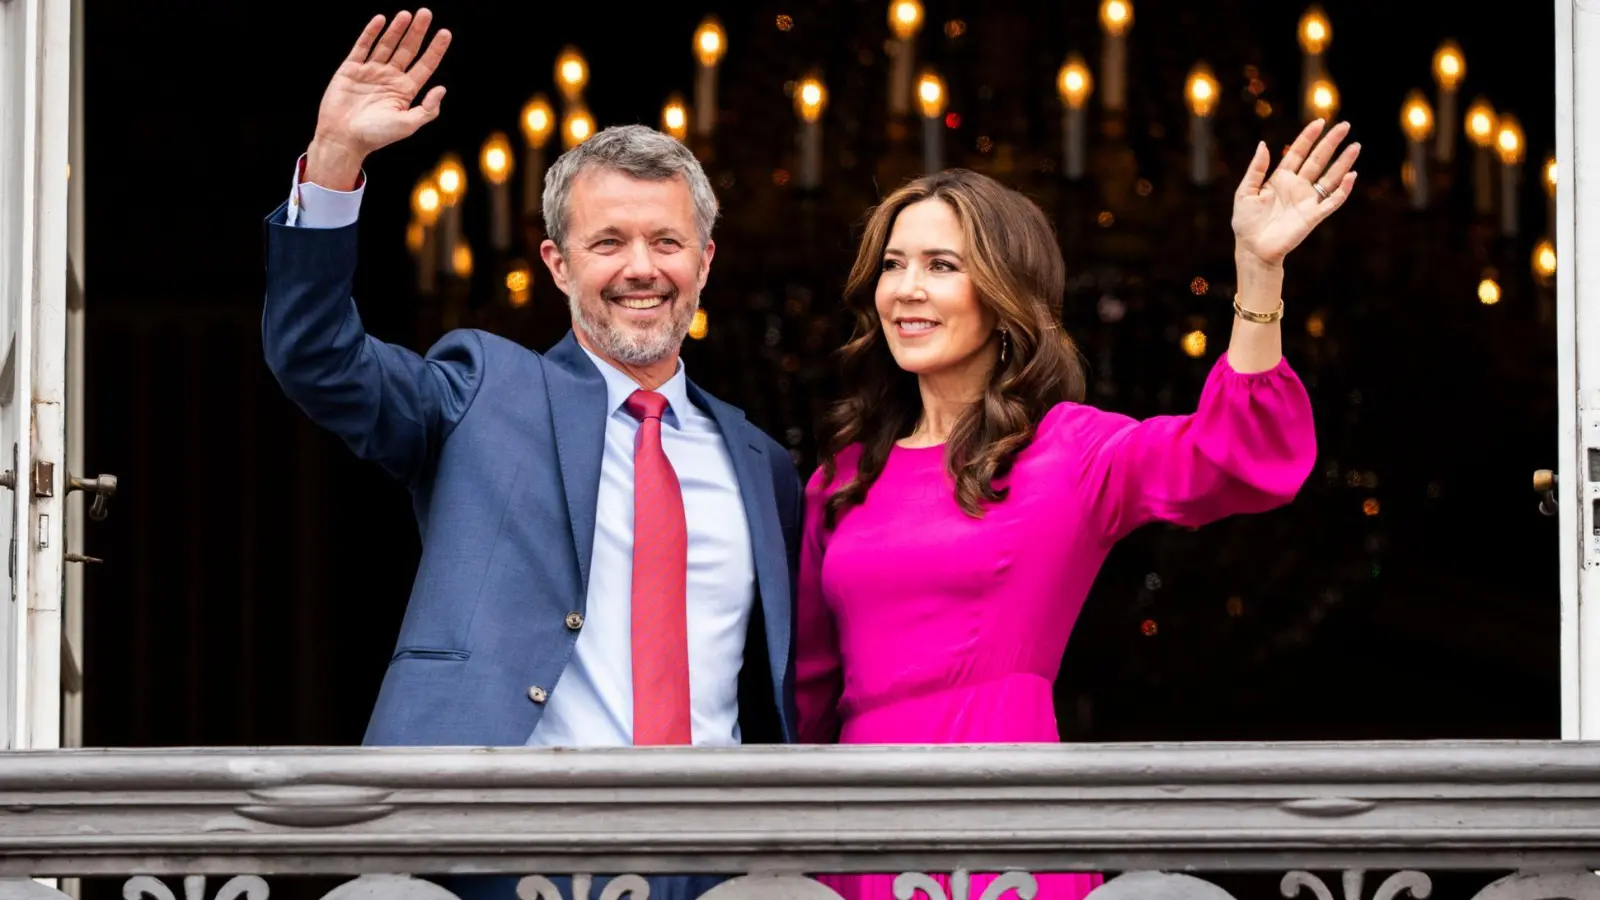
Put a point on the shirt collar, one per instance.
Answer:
(620, 386)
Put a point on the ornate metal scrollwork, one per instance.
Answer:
(1573, 885)
(1417, 884)
(239, 887)
(538, 887)
(907, 884)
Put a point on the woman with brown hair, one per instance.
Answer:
(967, 497)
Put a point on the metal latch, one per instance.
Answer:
(103, 487)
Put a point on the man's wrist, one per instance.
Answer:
(332, 165)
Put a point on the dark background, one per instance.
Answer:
(255, 573)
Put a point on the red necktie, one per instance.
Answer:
(660, 585)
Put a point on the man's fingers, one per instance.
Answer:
(391, 37)
(412, 42)
(358, 53)
(425, 67)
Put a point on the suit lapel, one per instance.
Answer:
(754, 471)
(577, 393)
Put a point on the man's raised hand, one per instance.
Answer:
(368, 104)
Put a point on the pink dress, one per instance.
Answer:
(920, 624)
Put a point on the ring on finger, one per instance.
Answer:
(1321, 191)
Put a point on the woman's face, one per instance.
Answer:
(930, 312)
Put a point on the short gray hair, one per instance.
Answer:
(638, 151)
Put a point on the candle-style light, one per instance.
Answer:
(519, 283)
(425, 208)
(461, 260)
(931, 98)
(698, 325)
(1548, 179)
(710, 44)
(1416, 120)
(1481, 125)
(577, 126)
(572, 72)
(495, 162)
(1116, 18)
(452, 181)
(538, 123)
(1074, 84)
(1488, 290)
(1544, 259)
(1321, 100)
(1449, 68)
(1201, 93)
(675, 117)
(1508, 143)
(905, 20)
(810, 99)
(1314, 33)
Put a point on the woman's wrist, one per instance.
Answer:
(1260, 283)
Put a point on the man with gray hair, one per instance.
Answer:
(608, 552)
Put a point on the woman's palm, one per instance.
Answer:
(1275, 221)
(1273, 214)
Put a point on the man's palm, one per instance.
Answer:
(367, 105)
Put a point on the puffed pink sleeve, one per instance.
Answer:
(1248, 447)
(818, 680)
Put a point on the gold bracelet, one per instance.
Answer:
(1260, 318)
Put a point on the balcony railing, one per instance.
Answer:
(1375, 819)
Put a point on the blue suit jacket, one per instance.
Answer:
(500, 447)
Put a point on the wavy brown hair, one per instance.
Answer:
(1017, 271)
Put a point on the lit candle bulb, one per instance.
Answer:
(1201, 93)
(675, 118)
(1548, 177)
(1314, 33)
(1508, 143)
(425, 208)
(1074, 84)
(1116, 17)
(452, 181)
(538, 123)
(1488, 290)
(931, 98)
(1416, 120)
(461, 260)
(519, 283)
(1449, 67)
(1322, 100)
(495, 162)
(577, 126)
(1544, 259)
(572, 73)
(1481, 126)
(710, 43)
(905, 20)
(810, 99)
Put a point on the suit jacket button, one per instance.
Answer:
(574, 620)
(538, 694)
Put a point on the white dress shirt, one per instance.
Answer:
(592, 704)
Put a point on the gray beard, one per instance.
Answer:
(625, 345)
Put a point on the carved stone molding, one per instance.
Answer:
(1144, 885)
(1242, 807)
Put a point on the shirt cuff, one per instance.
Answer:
(314, 206)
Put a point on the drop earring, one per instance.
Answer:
(1005, 345)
